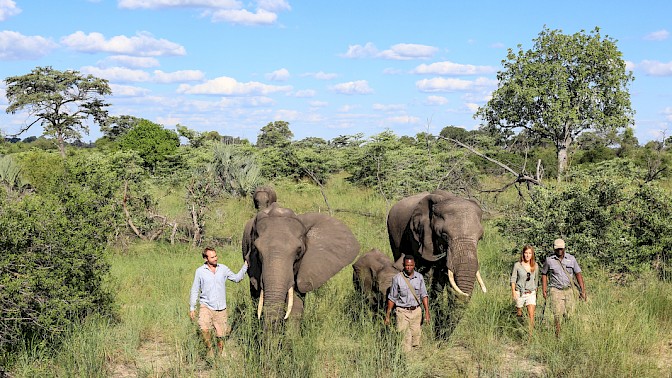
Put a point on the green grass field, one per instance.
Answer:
(621, 331)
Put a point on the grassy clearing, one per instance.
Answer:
(620, 331)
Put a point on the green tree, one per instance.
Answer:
(116, 126)
(564, 85)
(275, 134)
(151, 141)
(61, 101)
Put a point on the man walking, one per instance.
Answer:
(558, 272)
(407, 291)
(209, 288)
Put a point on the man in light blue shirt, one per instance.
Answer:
(210, 283)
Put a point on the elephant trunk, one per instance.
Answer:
(462, 266)
(278, 294)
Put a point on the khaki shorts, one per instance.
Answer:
(563, 301)
(207, 319)
(529, 299)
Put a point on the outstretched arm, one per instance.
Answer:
(544, 284)
(425, 304)
(579, 277)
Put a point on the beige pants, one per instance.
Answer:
(563, 302)
(409, 324)
(207, 319)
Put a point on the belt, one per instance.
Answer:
(527, 292)
(562, 288)
(410, 308)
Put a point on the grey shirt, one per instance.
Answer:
(557, 277)
(400, 293)
(519, 276)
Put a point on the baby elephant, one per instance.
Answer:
(372, 276)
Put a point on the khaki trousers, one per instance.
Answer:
(409, 324)
(564, 302)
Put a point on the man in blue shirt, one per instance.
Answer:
(210, 283)
(558, 272)
(407, 291)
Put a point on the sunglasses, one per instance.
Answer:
(528, 276)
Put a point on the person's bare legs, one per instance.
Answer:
(208, 343)
(530, 313)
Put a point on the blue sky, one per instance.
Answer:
(329, 68)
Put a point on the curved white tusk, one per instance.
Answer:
(260, 305)
(480, 281)
(290, 301)
(451, 278)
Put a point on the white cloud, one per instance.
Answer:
(245, 17)
(16, 46)
(403, 119)
(359, 51)
(318, 104)
(321, 75)
(655, 68)
(630, 66)
(305, 93)
(247, 102)
(8, 9)
(142, 44)
(158, 4)
(450, 68)
(353, 87)
(227, 86)
(436, 100)
(273, 5)
(129, 61)
(440, 84)
(407, 51)
(401, 51)
(278, 75)
(118, 74)
(286, 115)
(177, 76)
(668, 113)
(659, 35)
(128, 91)
(471, 106)
(389, 107)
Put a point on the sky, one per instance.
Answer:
(329, 68)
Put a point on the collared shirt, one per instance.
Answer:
(519, 276)
(400, 293)
(212, 286)
(557, 277)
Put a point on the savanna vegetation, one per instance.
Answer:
(98, 243)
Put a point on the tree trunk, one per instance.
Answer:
(562, 149)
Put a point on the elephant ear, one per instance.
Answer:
(421, 225)
(330, 246)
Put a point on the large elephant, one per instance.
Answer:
(290, 255)
(441, 231)
(263, 197)
(372, 276)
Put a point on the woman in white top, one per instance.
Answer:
(524, 284)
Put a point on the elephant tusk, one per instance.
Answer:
(480, 281)
(261, 304)
(290, 301)
(451, 278)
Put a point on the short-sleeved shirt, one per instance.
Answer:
(400, 293)
(557, 278)
(212, 286)
(519, 276)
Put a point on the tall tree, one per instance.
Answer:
(59, 100)
(275, 134)
(564, 85)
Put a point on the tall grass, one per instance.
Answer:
(619, 331)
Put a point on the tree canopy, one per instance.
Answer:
(275, 134)
(562, 86)
(61, 101)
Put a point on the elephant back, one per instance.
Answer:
(330, 246)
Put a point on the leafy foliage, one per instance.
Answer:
(152, 142)
(275, 134)
(605, 218)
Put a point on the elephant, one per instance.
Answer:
(441, 230)
(372, 276)
(263, 197)
(290, 255)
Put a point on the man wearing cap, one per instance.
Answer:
(558, 272)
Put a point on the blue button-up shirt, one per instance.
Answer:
(400, 293)
(212, 286)
(557, 277)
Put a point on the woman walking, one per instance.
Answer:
(524, 284)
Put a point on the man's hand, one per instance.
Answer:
(583, 294)
(192, 314)
(387, 319)
(426, 317)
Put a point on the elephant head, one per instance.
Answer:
(290, 255)
(263, 197)
(372, 276)
(439, 228)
